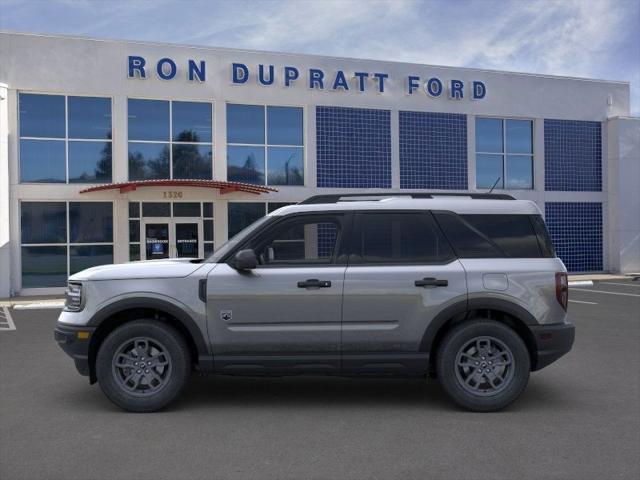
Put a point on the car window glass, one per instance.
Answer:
(514, 234)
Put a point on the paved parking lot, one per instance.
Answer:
(578, 419)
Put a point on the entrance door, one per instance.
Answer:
(156, 239)
(188, 238)
(172, 238)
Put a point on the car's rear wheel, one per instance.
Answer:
(143, 365)
(483, 365)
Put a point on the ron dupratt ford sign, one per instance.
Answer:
(314, 78)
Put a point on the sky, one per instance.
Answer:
(579, 38)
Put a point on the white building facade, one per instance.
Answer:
(112, 151)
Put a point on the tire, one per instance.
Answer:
(165, 368)
(488, 347)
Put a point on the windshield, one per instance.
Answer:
(239, 237)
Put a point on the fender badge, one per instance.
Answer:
(226, 315)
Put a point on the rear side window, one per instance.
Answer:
(544, 240)
(513, 234)
(398, 238)
(467, 241)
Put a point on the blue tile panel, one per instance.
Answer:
(353, 147)
(572, 156)
(576, 231)
(433, 150)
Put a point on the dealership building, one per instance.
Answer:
(113, 151)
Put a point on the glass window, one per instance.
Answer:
(402, 238)
(134, 252)
(245, 164)
(44, 267)
(284, 126)
(245, 124)
(273, 206)
(186, 209)
(148, 161)
(489, 171)
(242, 215)
(89, 162)
(519, 136)
(192, 161)
(89, 117)
(191, 122)
(134, 230)
(42, 161)
(148, 119)
(285, 166)
(207, 209)
(134, 210)
(208, 230)
(43, 222)
(156, 209)
(90, 222)
(519, 172)
(42, 115)
(87, 256)
(544, 240)
(467, 241)
(513, 234)
(489, 135)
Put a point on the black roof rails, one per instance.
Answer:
(336, 197)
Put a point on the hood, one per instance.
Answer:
(166, 268)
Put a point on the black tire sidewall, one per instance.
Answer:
(176, 348)
(456, 339)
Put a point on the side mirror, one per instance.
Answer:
(245, 260)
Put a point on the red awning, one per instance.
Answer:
(224, 187)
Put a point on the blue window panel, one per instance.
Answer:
(148, 161)
(519, 172)
(284, 126)
(576, 231)
(191, 122)
(90, 222)
(44, 267)
(41, 115)
(572, 156)
(87, 256)
(433, 150)
(42, 161)
(89, 117)
(148, 119)
(245, 124)
(192, 161)
(43, 222)
(519, 136)
(245, 164)
(285, 166)
(89, 162)
(489, 171)
(353, 147)
(489, 135)
(241, 215)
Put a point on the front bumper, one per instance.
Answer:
(75, 343)
(552, 342)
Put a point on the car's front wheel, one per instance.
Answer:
(143, 365)
(483, 365)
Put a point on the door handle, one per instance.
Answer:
(314, 283)
(431, 282)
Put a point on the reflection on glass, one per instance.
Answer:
(148, 119)
(44, 267)
(245, 124)
(89, 162)
(43, 222)
(42, 161)
(488, 170)
(41, 115)
(89, 117)
(191, 122)
(245, 164)
(489, 135)
(284, 126)
(192, 161)
(187, 240)
(87, 256)
(519, 171)
(285, 166)
(519, 133)
(148, 161)
(90, 222)
(242, 215)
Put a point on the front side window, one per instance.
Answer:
(65, 139)
(265, 144)
(504, 153)
(170, 140)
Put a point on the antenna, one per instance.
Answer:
(494, 184)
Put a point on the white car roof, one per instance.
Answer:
(461, 204)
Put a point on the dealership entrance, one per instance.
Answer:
(172, 238)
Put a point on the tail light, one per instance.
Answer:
(562, 289)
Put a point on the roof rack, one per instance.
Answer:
(354, 197)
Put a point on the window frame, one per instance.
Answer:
(503, 153)
(66, 139)
(170, 142)
(266, 145)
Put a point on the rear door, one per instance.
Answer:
(402, 274)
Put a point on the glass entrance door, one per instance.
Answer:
(173, 238)
(156, 240)
(188, 242)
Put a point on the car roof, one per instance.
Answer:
(462, 205)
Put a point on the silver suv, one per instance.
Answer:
(465, 288)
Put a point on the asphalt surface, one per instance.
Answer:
(578, 419)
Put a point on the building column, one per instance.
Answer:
(5, 244)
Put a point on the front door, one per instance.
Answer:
(285, 315)
(172, 238)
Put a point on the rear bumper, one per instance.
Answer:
(552, 342)
(74, 345)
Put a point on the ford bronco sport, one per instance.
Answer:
(463, 287)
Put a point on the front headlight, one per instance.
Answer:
(73, 297)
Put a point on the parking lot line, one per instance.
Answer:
(6, 322)
(609, 293)
(580, 301)
(623, 284)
